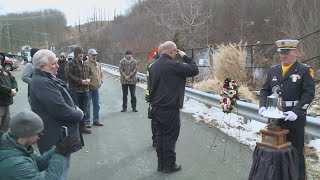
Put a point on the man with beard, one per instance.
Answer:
(78, 75)
(128, 70)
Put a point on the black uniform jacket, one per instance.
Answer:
(296, 85)
(168, 80)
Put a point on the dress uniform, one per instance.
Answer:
(297, 89)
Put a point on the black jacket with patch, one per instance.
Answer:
(168, 80)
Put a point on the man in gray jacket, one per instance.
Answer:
(17, 157)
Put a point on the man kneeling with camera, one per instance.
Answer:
(17, 157)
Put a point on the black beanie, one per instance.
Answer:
(33, 51)
(77, 50)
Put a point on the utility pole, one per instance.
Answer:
(46, 38)
(8, 33)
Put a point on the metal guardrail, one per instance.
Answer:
(245, 109)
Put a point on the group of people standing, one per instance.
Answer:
(54, 103)
(60, 94)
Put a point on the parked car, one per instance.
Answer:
(10, 63)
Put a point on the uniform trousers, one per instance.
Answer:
(167, 133)
(296, 137)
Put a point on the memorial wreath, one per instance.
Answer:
(229, 95)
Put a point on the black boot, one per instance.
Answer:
(172, 169)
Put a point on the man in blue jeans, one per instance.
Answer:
(95, 83)
(78, 75)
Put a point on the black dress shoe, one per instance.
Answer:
(134, 110)
(97, 124)
(123, 110)
(175, 168)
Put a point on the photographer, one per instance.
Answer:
(17, 157)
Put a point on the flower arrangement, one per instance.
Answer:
(229, 95)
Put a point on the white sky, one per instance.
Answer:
(73, 9)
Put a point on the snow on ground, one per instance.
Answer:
(231, 124)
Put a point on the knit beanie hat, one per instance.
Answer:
(77, 50)
(25, 124)
(33, 51)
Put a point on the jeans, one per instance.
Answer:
(80, 99)
(132, 88)
(94, 96)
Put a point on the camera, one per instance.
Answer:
(64, 132)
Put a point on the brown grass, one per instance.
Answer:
(230, 63)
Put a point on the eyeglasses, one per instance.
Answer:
(39, 134)
(62, 57)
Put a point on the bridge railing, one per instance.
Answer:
(247, 110)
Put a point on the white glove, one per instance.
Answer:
(291, 116)
(261, 110)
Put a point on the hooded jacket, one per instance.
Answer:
(19, 162)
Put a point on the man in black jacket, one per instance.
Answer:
(8, 89)
(167, 86)
(297, 89)
(62, 62)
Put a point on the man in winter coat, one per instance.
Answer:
(62, 62)
(78, 75)
(128, 70)
(28, 71)
(51, 100)
(17, 157)
(95, 83)
(8, 89)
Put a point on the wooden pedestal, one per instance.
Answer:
(274, 138)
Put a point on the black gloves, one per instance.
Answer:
(66, 146)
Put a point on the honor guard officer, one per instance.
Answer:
(297, 89)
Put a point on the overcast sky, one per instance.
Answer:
(73, 9)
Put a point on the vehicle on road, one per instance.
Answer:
(10, 63)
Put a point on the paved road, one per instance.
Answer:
(121, 149)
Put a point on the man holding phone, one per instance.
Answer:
(18, 160)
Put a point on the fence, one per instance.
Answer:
(259, 58)
(200, 55)
(248, 110)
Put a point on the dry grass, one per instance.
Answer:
(230, 63)
(212, 85)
